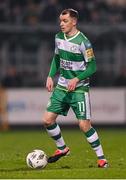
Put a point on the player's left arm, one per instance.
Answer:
(89, 57)
(90, 70)
(90, 65)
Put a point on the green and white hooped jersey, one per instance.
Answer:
(74, 53)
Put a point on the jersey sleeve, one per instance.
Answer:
(87, 51)
(56, 46)
(90, 69)
(55, 62)
(54, 66)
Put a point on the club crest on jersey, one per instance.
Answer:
(73, 48)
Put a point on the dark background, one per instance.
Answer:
(28, 27)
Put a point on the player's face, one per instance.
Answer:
(67, 23)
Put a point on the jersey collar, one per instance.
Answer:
(69, 39)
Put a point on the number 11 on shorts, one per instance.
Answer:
(81, 106)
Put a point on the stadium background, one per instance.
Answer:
(27, 30)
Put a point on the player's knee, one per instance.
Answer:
(47, 120)
(85, 125)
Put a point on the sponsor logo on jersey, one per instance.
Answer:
(66, 64)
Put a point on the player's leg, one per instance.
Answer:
(54, 131)
(56, 106)
(82, 110)
(93, 139)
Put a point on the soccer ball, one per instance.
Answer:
(37, 159)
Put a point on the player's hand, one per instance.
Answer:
(72, 84)
(49, 84)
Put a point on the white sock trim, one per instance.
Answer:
(92, 138)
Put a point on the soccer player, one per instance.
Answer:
(74, 59)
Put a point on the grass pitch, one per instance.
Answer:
(81, 164)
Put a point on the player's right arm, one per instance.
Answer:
(53, 70)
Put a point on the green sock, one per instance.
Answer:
(55, 132)
(93, 139)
